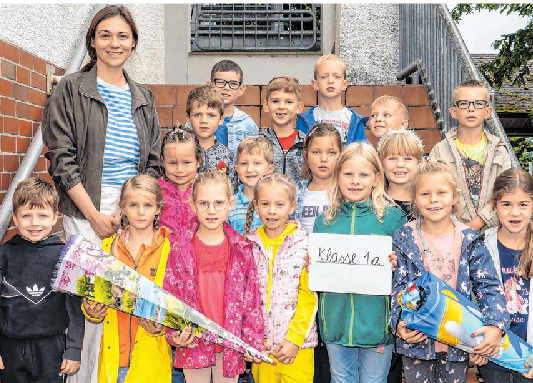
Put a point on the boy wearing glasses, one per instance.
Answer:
(478, 157)
(226, 76)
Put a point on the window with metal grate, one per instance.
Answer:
(255, 27)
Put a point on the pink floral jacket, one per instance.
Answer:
(177, 211)
(243, 315)
(288, 267)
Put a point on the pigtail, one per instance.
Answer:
(249, 219)
(526, 259)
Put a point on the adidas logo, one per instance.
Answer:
(35, 291)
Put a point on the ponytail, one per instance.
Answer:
(249, 219)
(526, 259)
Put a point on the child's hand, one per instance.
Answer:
(393, 259)
(285, 351)
(151, 327)
(307, 262)
(491, 344)
(249, 358)
(2, 363)
(69, 366)
(410, 336)
(478, 360)
(95, 310)
(528, 375)
(268, 349)
(477, 223)
(184, 338)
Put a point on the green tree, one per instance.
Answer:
(515, 49)
(523, 147)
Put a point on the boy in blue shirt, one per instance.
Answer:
(330, 81)
(227, 77)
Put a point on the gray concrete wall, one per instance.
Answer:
(184, 67)
(369, 42)
(53, 31)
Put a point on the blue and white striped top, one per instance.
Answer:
(121, 153)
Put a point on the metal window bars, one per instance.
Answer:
(255, 27)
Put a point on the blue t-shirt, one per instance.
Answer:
(516, 293)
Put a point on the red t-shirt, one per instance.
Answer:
(212, 262)
(287, 142)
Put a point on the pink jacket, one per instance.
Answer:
(177, 211)
(243, 315)
(288, 266)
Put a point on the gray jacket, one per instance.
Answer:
(74, 129)
(289, 163)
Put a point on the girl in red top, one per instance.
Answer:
(212, 269)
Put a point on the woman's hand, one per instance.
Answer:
(184, 338)
(491, 342)
(410, 336)
(151, 327)
(103, 225)
(95, 310)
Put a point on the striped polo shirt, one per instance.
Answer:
(121, 153)
(237, 216)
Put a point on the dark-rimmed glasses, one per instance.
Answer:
(221, 83)
(464, 104)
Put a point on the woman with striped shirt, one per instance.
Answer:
(101, 128)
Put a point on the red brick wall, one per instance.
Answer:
(171, 100)
(22, 99)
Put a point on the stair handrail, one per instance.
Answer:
(35, 149)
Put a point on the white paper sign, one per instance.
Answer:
(357, 264)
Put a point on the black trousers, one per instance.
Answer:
(32, 360)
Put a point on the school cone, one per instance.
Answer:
(87, 271)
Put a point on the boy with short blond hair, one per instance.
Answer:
(227, 77)
(282, 103)
(205, 112)
(255, 158)
(477, 157)
(330, 81)
(387, 112)
(33, 344)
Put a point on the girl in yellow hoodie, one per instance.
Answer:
(134, 349)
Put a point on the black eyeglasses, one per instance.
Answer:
(220, 83)
(218, 205)
(464, 104)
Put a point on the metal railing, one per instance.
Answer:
(255, 27)
(35, 149)
(430, 37)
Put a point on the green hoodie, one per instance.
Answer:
(357, 320)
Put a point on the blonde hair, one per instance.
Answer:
(433, 166)
(470, 83)
(509, 182)
(400, 142)
(146, 185)
(211, 176)
(322, 129)
(205, 95)
(285, 84)
(330, 57)
(380, 200)
(383, 100)
(256, 145)
(272, 179)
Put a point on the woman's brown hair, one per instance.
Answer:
(509, 182)
(104, 14)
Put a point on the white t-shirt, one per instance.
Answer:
(340, 119)
(314, 203)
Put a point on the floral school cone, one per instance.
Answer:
(434, 308)
(90, 272)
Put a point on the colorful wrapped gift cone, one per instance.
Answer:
(434, 308)
(90, 272)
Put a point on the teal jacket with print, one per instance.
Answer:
(357, 320)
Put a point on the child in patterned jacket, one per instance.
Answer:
(289, 307)
(457, 255)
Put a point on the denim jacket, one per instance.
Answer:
(476, 272)
(356, 132)
(237, 129)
